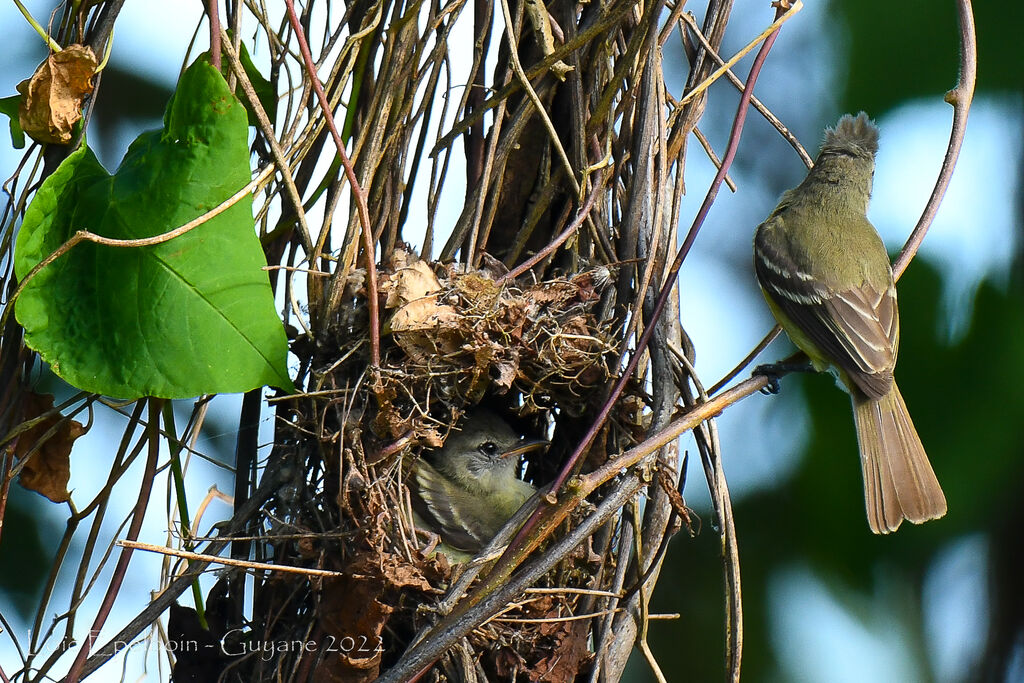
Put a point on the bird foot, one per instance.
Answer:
(773, 372)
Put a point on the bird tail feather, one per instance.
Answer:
(899, 482)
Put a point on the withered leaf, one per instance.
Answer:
(422, 314)
(48, 470)
(410, 283)
(51, 102)
(569, 652)
(350, 609)
(554, 291)
(506, 373)
(476, 287)
(430, 436)
(356, 608)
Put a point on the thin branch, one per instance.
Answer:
(267, 128)
(747, 360)
(786, 12)
(560, 240)
(612, 16)
(541, 112)
(710, 151)
(52, 44)
(226, 561)
(758, 105)
(960, 97)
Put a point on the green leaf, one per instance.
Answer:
(9, 106)
(190, 316)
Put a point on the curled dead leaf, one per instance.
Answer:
(431, 437)
(410, 283)
(47, 469)
(51, 100)
(422, 314)
(378, 582)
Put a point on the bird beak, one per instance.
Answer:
(525, 446)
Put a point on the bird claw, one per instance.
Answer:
(772, 372)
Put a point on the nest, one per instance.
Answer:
(469, 334)
(451, 340)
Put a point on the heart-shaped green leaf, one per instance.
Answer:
(190, 316)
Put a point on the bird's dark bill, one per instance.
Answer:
(525, 446)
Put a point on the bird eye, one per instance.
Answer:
(489, 448)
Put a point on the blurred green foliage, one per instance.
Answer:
(904, 50)
(26, 550)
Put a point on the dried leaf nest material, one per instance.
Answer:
(461, 334)
(559, 642)
(450, 338)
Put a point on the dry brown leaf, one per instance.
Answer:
(429, 436)
(391, 421)
(51, 100)
(554, 291)
(423, 314)
(508, 663)
(506, 374)
(374, 582)
(494, 268)
(400, 574)
(412, 282)
(359, 627)
(477, 287)
(48, 470)
(514, 317)
(401, 258)
(569, 652)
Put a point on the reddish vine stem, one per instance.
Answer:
(960, 97)
(213, 13)
(357, 192)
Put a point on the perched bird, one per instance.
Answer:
(827, 278)
(470, 488)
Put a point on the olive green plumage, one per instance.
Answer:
(826, 277)
(470, 487)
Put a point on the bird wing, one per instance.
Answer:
(464, 521)
(856, 327)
